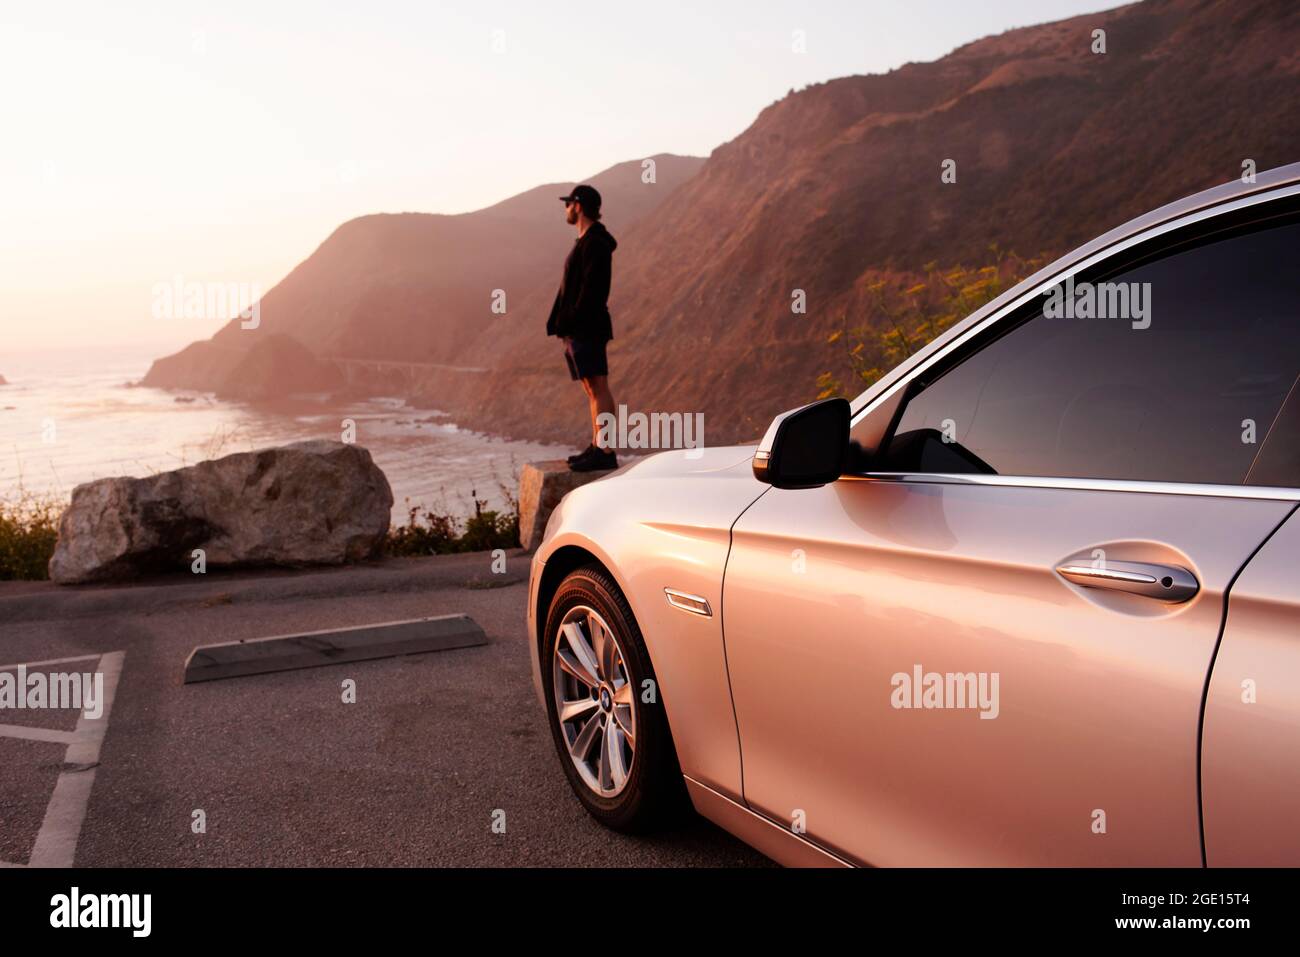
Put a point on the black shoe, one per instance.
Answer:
(594, 460)
(583, 456)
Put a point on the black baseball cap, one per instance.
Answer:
(586, 195)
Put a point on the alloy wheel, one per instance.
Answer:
(593, 701)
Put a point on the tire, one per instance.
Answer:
(650, 789)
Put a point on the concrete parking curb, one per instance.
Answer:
(311, 649)
(22, 602)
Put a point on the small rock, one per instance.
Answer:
(541, 486)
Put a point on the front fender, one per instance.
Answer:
(665, 523)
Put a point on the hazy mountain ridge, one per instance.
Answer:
(417, 286)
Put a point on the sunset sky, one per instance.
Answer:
(222, 142)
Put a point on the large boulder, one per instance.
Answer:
(316, 502)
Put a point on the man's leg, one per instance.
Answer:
(601, 401)
(591, 399)
(591, 403)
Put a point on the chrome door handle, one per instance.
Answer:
(1169, 583)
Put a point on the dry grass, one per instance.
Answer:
(902, 314)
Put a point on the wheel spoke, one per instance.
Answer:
(571, 666)
(571, 710)
(583, 655)
(624, 694)
(612, 756)
(623, 717)
(605, 648)
(602, 759)
(582, 743)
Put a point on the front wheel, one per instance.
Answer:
(605, 711)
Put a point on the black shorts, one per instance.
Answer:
(586, 358)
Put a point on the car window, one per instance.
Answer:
(1171, 371)
(1278, 462)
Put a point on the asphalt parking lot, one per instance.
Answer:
(435, 748)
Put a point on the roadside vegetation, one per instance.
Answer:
(28, 528)
(900, 314)
(429, 532)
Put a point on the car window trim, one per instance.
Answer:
(1265, 492)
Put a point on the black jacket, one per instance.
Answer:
(580, 310)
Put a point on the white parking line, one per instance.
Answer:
(56, 843)
(48, 661)
(36, 734)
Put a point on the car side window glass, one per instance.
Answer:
(1173, 371)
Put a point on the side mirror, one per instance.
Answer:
(805, 448)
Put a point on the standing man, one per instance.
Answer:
(580, 317)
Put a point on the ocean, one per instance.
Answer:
(70, 417)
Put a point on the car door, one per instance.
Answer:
(1250, 777)
(982, 651)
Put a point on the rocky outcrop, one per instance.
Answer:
(270, 367)
(316, 502)
(201, 366)
(276, 367)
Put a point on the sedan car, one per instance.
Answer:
(1031, 599)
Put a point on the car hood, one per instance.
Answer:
(695, 488)
(685, 462)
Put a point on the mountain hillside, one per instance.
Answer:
(839, 183)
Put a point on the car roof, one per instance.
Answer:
(1268, 180)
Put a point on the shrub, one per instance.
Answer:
(29, 527)
(427, 532)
